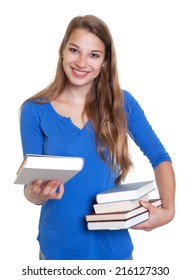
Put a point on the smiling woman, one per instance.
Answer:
(83, 57)
(85, 113)
(81, 63)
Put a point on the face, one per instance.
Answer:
(83, 58)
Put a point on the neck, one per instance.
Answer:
(75, 94)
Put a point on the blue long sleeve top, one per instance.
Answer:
(63, 232)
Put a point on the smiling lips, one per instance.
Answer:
(79, 74)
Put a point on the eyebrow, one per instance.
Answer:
(76, 46)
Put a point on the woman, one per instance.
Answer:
(85, 113)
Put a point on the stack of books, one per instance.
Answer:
(119, 207)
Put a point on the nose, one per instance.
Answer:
(81, 61)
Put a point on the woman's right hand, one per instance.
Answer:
(39, 192)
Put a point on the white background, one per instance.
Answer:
(153, 51)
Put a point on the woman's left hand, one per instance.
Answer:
(158, 217)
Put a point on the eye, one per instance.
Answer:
(73, 50)
(94, 55)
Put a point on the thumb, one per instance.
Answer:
(146, 204)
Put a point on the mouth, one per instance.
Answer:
(79, 73)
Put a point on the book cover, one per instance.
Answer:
(118, 225)
(127, 191)
(45, 167)
(118, 206)
(121, 215)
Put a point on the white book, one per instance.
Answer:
(46, 167)
(125, 192)
(115, 216)
(118, 206)
(117, 225)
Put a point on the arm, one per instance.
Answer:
(146, 139)
(165, 180)
(32, 138)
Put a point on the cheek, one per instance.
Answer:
(67, 60)
(64, 67)
(98, 65)
(98, 69)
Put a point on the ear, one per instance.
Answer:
(104, 63)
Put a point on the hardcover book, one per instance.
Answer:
(128, 221)
(127, 191)
(118, 225)
(118, 206)
(45, 167)
(121, 215)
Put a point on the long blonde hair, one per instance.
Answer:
(104, 102)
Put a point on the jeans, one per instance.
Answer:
(41, 256)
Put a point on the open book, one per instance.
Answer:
(46, 167)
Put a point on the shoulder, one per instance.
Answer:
(130, 102)
(34, 105)
(127, 95)
(33, 108)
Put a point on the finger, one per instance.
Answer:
(147, 205)
(50, 188)
(57, 192)
(142, 226)
(53, 191)
(61, 192)
(153, 221)
(36, 186)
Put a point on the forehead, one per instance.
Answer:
(84, 38)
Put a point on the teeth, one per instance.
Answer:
(79, 72)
